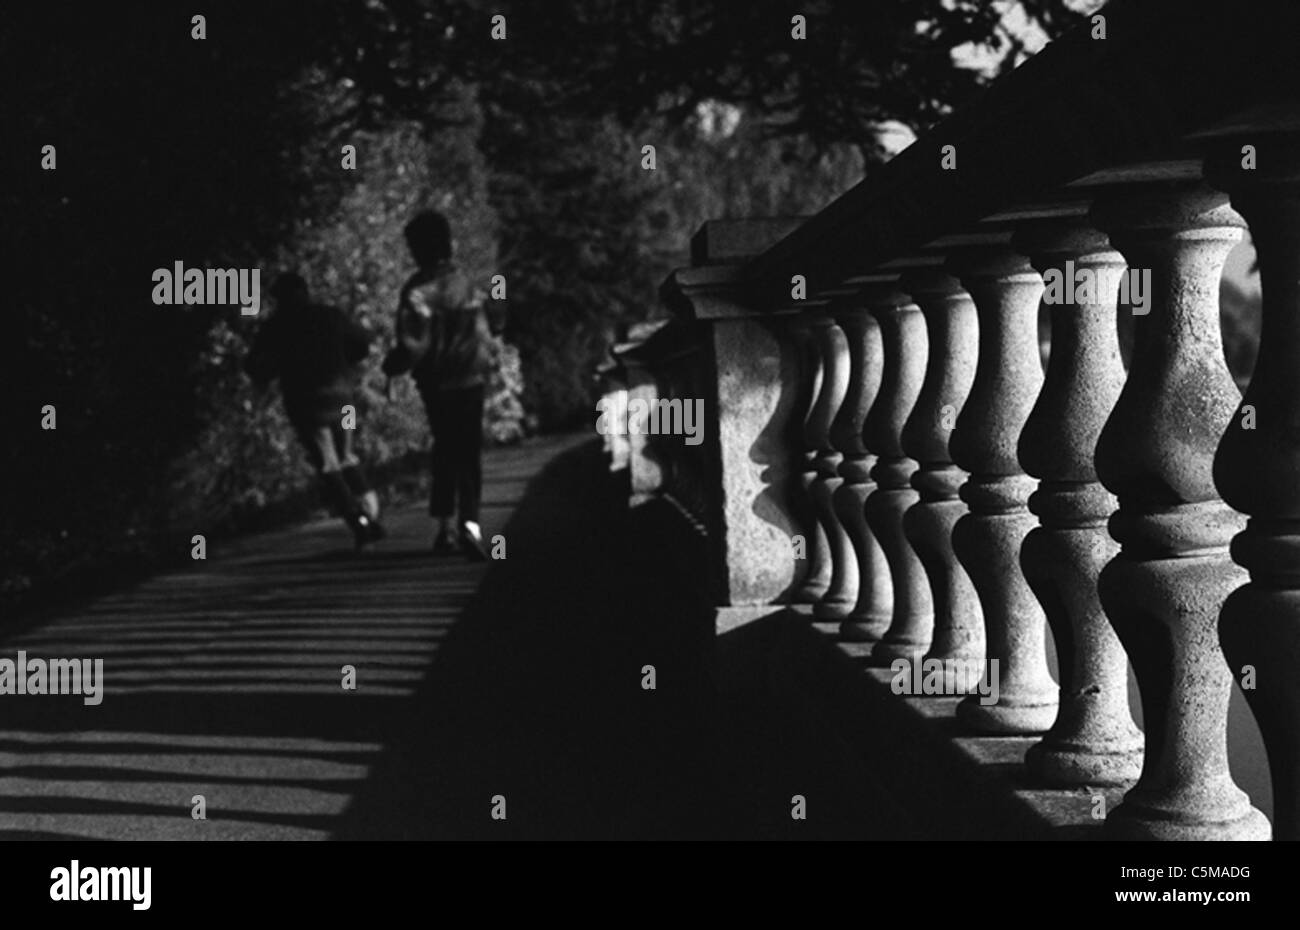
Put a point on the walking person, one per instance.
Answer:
(314, 350)
(444, 342)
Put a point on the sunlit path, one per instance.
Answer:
(519, 678)
(226, 682)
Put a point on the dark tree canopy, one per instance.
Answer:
(219, 152)
(861, 63)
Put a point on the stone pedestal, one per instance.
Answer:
(754, 379)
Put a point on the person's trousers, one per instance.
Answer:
(329, 448)
(456, 421)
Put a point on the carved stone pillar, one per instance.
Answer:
(1006, 290)
(645, 459)
(870, 616)
(905, 348)
(1257, 469)
(816, 578)
(842, 593)
(953, 334)
(1164, 590)
(1094, 740)
(751, 387)
(616, 440)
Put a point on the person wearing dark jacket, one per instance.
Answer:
(313, 350)
(443, 341)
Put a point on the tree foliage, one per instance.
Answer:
(223, 152)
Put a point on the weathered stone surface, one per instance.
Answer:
(953, 334)
(616, 443)
(752, 380)
(1257, 468)
(869, 618)
(842, 592)
(647, 466)
(906, 349)
(814, 579)
(1094, 739)
(755, 523)
(1006, 290)
(1163, 592)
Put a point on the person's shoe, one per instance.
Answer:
(471, 542)
(445, 543)
(363, 530)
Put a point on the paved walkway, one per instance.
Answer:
(519, 678)
(226, 682)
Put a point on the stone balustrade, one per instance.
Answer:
(885, 456)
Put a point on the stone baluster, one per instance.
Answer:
(816, 579)
(688, 488)
(1256, 470)
(1094, 740)
(953, 336)
(870, 616)
(1006, 290)
(617, 442)
(1164, 590)
(647, 466)
(905, 349)
(842, 593)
